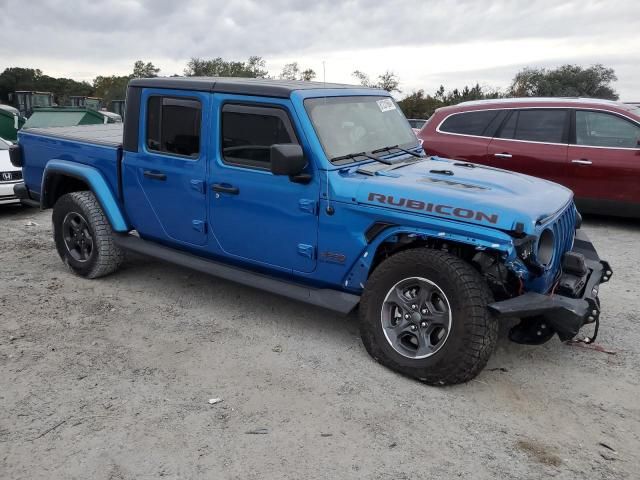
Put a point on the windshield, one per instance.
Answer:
(358, 124)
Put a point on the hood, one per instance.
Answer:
(5, 163)
(461, 191)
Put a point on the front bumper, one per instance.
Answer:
(7, 194)
(565, 314)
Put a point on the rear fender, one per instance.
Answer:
(484, 239)
(96, 182)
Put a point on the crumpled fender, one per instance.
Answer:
(98, 185)
(486, 239)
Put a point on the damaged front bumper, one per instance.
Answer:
(573, 304)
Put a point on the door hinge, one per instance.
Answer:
(199, 225)
(307, 205)
(198, 185)
(308, 251)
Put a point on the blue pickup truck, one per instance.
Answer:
(322, 193)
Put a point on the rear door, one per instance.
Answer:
(164, 182)
(533, 141)
(604, 157)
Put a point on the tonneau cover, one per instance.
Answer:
(109, 134)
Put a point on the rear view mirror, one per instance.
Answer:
(288, 159)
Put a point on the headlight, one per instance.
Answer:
(545, 252)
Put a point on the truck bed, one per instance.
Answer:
(109, 134)
(97, 146)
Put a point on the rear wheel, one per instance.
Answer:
(83, 236)
(423, 313)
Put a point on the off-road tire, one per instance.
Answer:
(473, 333)
(105, 256)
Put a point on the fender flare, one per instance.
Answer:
(489, 239)
(97, 184)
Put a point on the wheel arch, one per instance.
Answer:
(61, 177)
(391, 239)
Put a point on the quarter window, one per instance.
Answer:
(173, 125)
(537, 125)
(248, 133)
(469, 123)
(599, 129)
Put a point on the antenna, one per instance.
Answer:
(330, 210)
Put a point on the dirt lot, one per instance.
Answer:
(110, 379)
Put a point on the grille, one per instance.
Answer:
(563, 232)
(10, 176)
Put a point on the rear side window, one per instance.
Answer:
(469, 123)
(600, 129)
(173, 125)
(248, 133)
(537, 125)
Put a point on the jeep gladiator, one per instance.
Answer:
(322, 193)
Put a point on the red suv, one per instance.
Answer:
(591, 146)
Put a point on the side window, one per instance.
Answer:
(173, 125)
(469, 123)
(248, 133)
(537, 125)
(598, 129)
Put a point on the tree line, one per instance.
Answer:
(565, 81)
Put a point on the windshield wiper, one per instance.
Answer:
(396, 147)
(353, 156)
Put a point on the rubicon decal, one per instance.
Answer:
(449, 210)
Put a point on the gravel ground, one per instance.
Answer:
(110, 379)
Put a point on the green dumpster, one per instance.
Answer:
(68, 117)
(10, 122)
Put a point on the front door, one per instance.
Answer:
(164, 183)
(604, 158)
(258, 217)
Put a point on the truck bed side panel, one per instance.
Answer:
(41, 145)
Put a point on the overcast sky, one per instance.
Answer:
(427, 43)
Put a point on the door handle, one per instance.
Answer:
(582, 161)
(223, 188)
(502, 155)
(155, 175)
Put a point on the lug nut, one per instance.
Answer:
(609, 272)
(424, 311)
(413, 328)
(423, 324)
(406, 316)
(590, 319)
(594, 312)
(414, 306)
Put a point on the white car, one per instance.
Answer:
(9, 175)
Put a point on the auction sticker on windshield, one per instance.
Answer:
(386, 104)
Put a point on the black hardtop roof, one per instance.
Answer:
(244, 86)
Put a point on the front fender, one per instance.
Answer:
(484, 239)
(97, 184)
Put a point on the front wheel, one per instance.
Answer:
(424, 313)
(83, 236)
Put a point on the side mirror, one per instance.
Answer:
(288, 159)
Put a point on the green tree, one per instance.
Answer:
(111, 88)
(565, 81)
(144, 70)
(17, 78)
(291, 71)
(254, 67)
(387, 81)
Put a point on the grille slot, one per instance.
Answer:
(563, 230)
